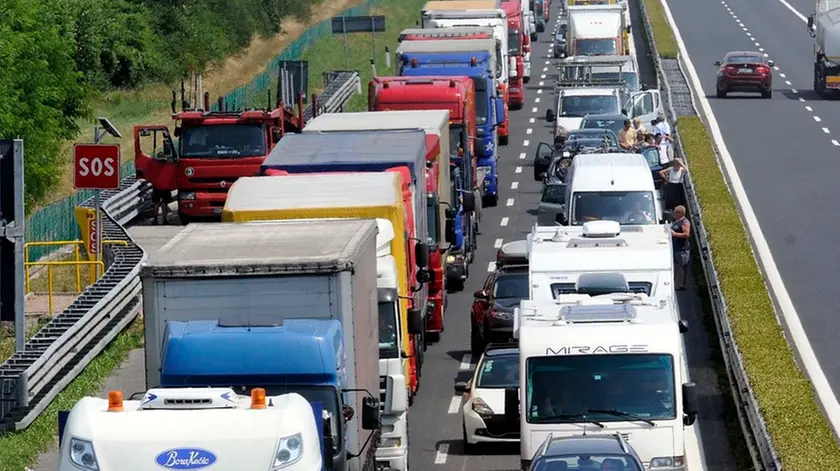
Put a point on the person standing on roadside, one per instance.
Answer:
(680, 233)
(673, 177)
(662, 127)
(627, 136)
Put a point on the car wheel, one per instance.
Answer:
(476, 344)
(767, 94)
(526, 80)
(503, 140)
(721, 93)
(469, 448)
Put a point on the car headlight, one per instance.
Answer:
(289, 451)
(481, 408)
(394, 442)
(501, 315)
(82, 454)
(186, 195)
(667, 462)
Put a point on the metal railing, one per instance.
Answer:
(759, 441)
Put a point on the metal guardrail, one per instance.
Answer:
(759, 441)
(31, 379)
(58, 353)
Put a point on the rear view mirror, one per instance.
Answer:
(415, 321)
(811, 22)
(461, 387)
(468, 201)
(480, 294)
(549, 115)
(500, 111)
(771, 63)
(717, 63)
(690, 410)
(421, 255)
(449, 230)
(370, 413)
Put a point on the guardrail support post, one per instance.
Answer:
(23, 390)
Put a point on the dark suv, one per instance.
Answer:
(585, 452)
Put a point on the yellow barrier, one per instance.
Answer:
(97, 266)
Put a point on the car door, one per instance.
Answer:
(641, 105)
(481, 305)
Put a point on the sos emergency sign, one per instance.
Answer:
(96, 166)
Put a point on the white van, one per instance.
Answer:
(615, 187)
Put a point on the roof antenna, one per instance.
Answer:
(612, 173)
(584, 424)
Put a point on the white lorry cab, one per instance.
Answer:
(192, 429)
(563, 260)
(616, 187)
(597, 30)
(606, 364)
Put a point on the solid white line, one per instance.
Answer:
(514, 185)
(504, 222)
(526, 143)
(518, 170)
(442, 453)
(509, 202)
(817, 119)
(834, 141)
(522, 155)
(809, 108)
(534, 109)
(466, 360)
(774, 278)
(454, 405)
(491, 267)
(498, 243)
(529, 131)
(825, 130)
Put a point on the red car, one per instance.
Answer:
(745, 71)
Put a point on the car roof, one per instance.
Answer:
(605, 117)
(582, 445)
(591, 131)
(500, 350)
(513, 269)
(758, 55)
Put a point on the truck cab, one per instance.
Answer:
(597, 30)
(302, 356)
(519, 50)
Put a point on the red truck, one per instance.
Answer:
(518, 45)
(456, 94)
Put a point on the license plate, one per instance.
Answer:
(745, 71)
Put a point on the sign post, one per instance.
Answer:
(358, 24)
(96, 167)
(12, 235)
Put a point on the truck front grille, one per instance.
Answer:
(383, 392)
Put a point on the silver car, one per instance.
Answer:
(552, 204)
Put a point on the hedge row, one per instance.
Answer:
(58, 54)
(800, 432)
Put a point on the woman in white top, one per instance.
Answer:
(673, 174)
(672, 178)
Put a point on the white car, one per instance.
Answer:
(491, 412)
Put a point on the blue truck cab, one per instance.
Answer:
(305, 356)
(490, 108)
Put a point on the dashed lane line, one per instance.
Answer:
(526, 143)
(825, 130)
(514, 185)
(491, 267)
(817, 119)
(466, 360)
(529, 131)
(534, 109)
(532, 120)
(498, 243)
(522, 155)
(518, 170)
(509, 202)
(442, 453)
(504, 222)
(454, 405)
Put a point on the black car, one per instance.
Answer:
(491, 319)
(560, 41)
(593, 133)
(585, 452)
(612, 121)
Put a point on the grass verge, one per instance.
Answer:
(20, 449)
(666, 44)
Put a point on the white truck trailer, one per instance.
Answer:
(597, 30)
(192, 428)
(281, 270)
(824, 27)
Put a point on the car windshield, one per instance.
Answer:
(554, 194)
(651, 155)
(630, 78)
(511, 286)
(587, 462)
(578, 135)
(325, 395)
(433, 218)
(514, 38)
(614, 125)
(388, 347)
(596, 47)
(580, 106)
(480, 100)
(744, 59)
(223, 141)
(624, 207)
(598, 385)
(561, 32)
(498, 371)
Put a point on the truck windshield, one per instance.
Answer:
(480, 99)
(596, 47)
(388, 328)
(607, 387)
(433, 217)
(580, 106)
(325, 395)
(514, 42)
(623, 207)
(223, 141)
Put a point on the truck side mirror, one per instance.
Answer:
(468, 201)
(396, 387)
(500, 110)
(415, 321)
(449, 229)
(423, 276)
(462, 387)
(690, 409)
(177, 131)
(549, 115)
(811, 22)
(370, 413)
(480, 294)
(683, 326)
(421, 254)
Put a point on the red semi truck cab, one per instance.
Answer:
(213, 150)
(518, 44)
(437, 291)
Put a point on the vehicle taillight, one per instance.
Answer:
(730, 69)
(763, 69)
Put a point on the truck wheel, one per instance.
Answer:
(503, 140)
(533, 36)
(185, 219)
(491, 201)
(476, 344)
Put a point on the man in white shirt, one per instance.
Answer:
(660, 143)
(664, 128)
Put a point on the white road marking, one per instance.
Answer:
(532, 120)
(514, 185)
(834, 141)
(787, 82)
(442, 453)
(454, 405)
(517, 170)
(542, 76)
(466, 360)
(529, 131)
(545, 69)
(802, 99)
(534, 109)
(537, 100)
(825, 130)
(782, 75)
(539, 91)
(828, 400)
(498, 243)
(761, 49)
(547, 62)
(509, 202)
(526, 143)
(775, 67)
(793, 90)
(542, 83)
(757, 44)
(817, 119)
(522, 155)
(504, 222)
(491, 267)
(809, 108)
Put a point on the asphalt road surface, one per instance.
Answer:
(785, 149)
(434, 420)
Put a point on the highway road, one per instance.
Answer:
(785, 150)
(434, 420)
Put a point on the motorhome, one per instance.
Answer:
(605, 364)
(559, 255)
